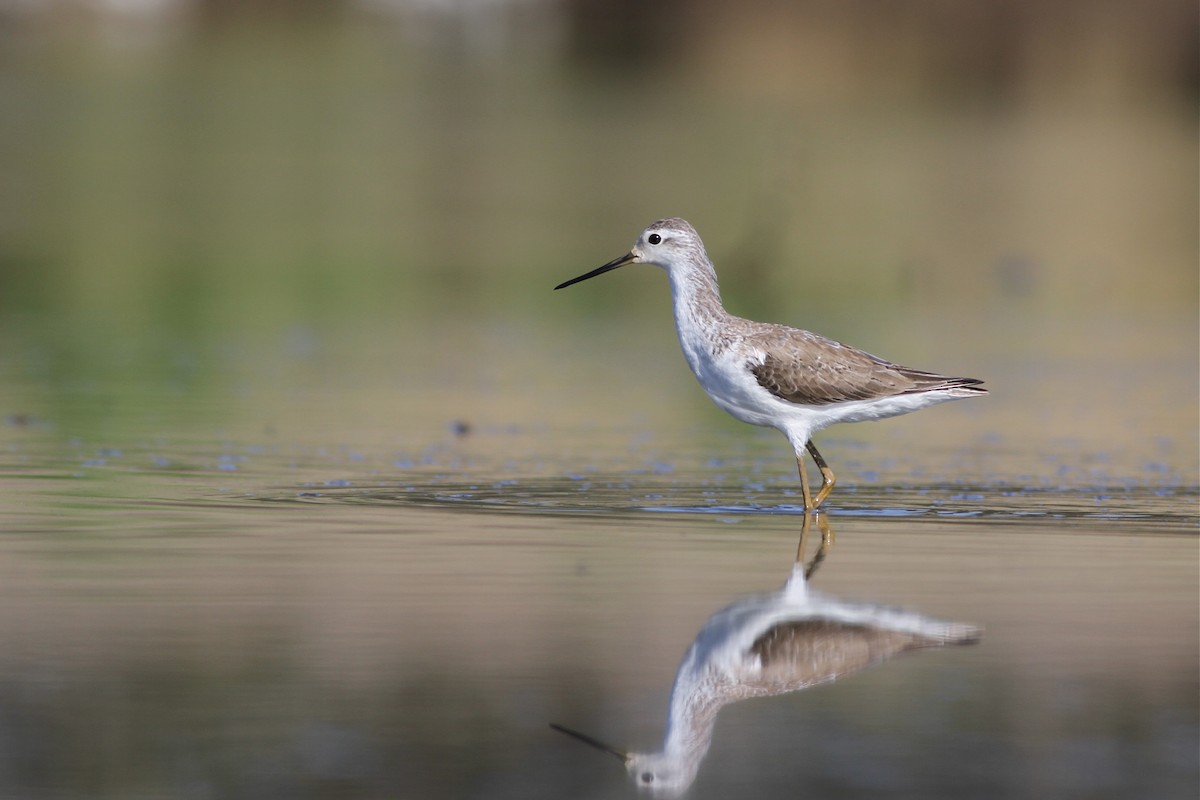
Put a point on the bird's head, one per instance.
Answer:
(654, 774)
(666, 243)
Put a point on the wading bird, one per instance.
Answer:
(772, 375)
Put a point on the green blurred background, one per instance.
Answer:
(186, 177)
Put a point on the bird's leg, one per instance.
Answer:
(808, 503)
(827, 478)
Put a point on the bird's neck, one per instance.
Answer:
(699, 315)
(690, 726)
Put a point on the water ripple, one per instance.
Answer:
(615, 496)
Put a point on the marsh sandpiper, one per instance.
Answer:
(771, 375)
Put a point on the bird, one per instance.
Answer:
(770, 375)
(767, 645)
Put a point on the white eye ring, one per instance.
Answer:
(654, 238)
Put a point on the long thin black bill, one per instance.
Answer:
(616, 262)
(583, 737)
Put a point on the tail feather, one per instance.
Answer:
(932, 382)
(957, 633)
(967, 387)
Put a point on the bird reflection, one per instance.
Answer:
(767, 645)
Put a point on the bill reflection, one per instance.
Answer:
(772, 644)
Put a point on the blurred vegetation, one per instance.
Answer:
(208, 167)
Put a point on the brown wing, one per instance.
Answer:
(799, 654)
(805, 368)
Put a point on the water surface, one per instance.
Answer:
(336, 580)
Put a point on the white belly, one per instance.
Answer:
(733, 387)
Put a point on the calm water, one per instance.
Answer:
(312, 576)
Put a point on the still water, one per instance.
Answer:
(358, 571)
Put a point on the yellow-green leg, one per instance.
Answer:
(827, 478)
(808, 503)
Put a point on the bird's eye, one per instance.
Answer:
(654, 238)
(648, 777)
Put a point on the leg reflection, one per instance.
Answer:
(822, 549)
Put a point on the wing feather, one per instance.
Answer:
(808, 369)
(807, 652)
